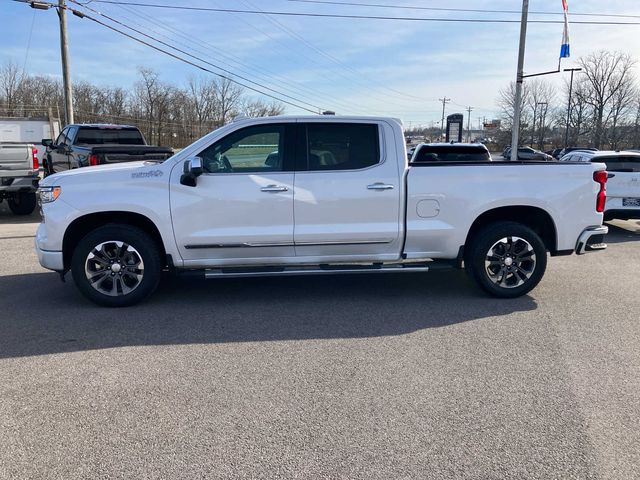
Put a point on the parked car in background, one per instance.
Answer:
(220, 208)
(528, 153)
(566, 150)
(19, 176)
(410, 151)
(86, 145)
(623, 186)
(555, 153)
(451, 152)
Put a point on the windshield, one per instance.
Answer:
(101, 136)
(446, 153)
(620, 164)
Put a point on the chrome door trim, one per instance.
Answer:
(299, 244)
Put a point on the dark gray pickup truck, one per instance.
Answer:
(84, 145)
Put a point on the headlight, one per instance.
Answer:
(49, 194)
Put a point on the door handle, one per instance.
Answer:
(380, 186)
(274, 188)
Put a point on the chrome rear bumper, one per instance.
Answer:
(591, 240)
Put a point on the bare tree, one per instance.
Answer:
(258, 108)
(507, 101)
(151, 101)
(166, 114)
(228, 96)
(608, 75)
(541, 96)
(203, 99)
(11, 78)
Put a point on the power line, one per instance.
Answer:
(333, 59)
(177, 57)
(450, 9)
(361, 17)
(267, 76)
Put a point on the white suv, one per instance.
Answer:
(623, 186)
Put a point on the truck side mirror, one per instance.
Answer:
(192, 169)
(46, 142)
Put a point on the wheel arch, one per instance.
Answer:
(81, 226)
(537, 219)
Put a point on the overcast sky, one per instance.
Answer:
(396, 68)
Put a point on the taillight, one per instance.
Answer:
(93, 159)
(34, 158)
(601, 178)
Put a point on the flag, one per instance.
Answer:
(564, 48)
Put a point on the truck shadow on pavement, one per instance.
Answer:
(44, 316)
(623, 231)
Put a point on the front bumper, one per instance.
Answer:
(51, 260)
(591, 240)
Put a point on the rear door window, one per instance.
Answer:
(342, 146)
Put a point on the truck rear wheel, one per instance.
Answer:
(506, 259)
(116, 265)
(23, 203)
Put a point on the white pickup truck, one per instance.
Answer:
(314, 195)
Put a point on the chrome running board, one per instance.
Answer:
(269, 271)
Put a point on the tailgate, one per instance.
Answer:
(624, 180)
(623, 184)
(15, 160)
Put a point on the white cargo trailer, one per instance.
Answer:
(28, 130)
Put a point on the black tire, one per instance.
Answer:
(96, 255)
(23, 203)
(506, 259)
(46, 167)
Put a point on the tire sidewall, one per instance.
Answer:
(23, 203)
(486, 238)
(133, 236)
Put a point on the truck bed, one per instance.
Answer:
(444, 199)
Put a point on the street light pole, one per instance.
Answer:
(64, 53)
(469, 110)
(519, 79)
(566, 132)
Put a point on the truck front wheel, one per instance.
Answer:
(23, 203)
(506, 259)
(116, 265)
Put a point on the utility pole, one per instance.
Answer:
(444, 101)
(64, 53)
(566, 132)
(519, 79)
(469, 110)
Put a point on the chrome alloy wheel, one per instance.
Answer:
(114, 268)
(510, 262)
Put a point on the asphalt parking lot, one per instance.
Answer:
(372, 377)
